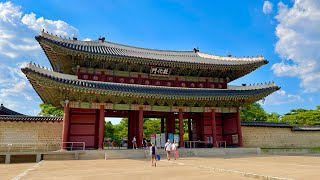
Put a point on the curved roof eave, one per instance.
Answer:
(149, 90)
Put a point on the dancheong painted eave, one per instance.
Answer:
(54, 87)
(101, 49)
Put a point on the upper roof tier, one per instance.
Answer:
(101, 50)
(109, 48)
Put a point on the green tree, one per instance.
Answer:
(49, 110)
(121, 129)
(298, 117)
(151, 126)
(253, 112)
(273, 117)
(109, 130)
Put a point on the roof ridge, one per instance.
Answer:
(99, 42)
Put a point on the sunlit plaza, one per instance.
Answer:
(225, 167)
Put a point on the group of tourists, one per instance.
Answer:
(134, 143)
(168, 148)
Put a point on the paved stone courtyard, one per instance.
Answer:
(235, 167)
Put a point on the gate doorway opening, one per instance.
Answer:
(116, 133)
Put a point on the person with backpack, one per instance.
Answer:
(153, 154)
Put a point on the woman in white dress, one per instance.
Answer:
(175, 146)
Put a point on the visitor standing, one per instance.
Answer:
(153, 154)
(175, 146)
(144, 142)
(134, 143)
(168, 148)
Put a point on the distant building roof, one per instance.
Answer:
(281, 125)
(10, 115)
(306, 128)
(7, 111)
(30, 118)
(266, 124)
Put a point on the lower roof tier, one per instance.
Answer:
(55, 87)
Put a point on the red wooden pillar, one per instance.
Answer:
(140, 127)
(181, 130)
(214, 128)
(239, 128)
(66, 124)
(101, 127)
(132, 127)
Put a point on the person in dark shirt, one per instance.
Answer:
(144, 142)
(153, 154)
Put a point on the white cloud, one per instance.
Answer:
(298, 43)
(18, 47)
(281, 97)
(267, 7)
(56, 27)
(18, 29)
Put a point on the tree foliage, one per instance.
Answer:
(253, 112)
(49, 110)
(150, 126)
(121, 129)
(298, 117)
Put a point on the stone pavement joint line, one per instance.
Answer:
(246, 174)
(28, 170)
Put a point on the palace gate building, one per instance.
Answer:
(97, 79)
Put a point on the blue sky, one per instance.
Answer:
(284, 32)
